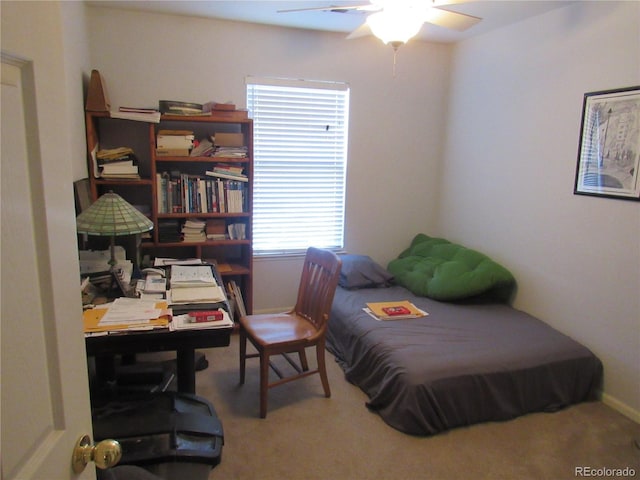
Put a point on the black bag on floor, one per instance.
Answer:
(173, 435)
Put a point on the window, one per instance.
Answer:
(300, 157)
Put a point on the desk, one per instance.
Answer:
(183, 342)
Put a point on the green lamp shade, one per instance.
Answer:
(111, 215)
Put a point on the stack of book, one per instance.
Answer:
(117, 163)
(397, 310)
(216, 229)
(228, 151)
(174, 143)
(169, 231)
(230, 172)
(193, 230)
(237, 231)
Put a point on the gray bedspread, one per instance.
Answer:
(460, 365)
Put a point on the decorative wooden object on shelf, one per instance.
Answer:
(97, 98)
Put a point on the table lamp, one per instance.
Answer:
(112, 216)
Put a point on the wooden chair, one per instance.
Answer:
(294, 331)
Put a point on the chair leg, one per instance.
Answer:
(322, 370)
(243, 354)
(264, 382)
(303, 360)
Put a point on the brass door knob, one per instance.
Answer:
(105, 454)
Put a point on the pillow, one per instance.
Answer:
(360, 271)
(438, 269)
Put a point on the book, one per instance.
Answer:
(203, 148)
(183, 322)
(395, 310)
(173, 152)
(175, 107)
(213, 105)
(119, 169)
(112, 154)
(138, 109)
(150, 117)
(229, 176)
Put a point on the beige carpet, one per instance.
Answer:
(307, 436)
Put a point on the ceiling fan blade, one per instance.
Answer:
(362, 31)
(452, 20)
(444, 3)
(332, 8)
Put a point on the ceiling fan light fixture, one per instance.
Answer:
(395, 26)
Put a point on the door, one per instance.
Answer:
(44, 398)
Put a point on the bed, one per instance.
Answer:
(472, 359)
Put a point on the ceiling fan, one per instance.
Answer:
(396, 21)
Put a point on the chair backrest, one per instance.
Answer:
(318, 282)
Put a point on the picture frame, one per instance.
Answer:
(609, 150)
(82, 194)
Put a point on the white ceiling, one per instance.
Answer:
(494, 14)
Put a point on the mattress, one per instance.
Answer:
(462, 364)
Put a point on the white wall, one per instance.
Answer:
(509, 169)
(395, 137)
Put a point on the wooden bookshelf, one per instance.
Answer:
(104, 132)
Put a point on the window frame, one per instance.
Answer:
(334, 163)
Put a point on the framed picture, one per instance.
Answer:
(82, 191)
(609, 151)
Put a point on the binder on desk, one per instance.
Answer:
(91, 320)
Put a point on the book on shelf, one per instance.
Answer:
(150, 117)
(236, 295)
(169, 231)
(114, 154)
(218, 106)
(237, 231)
(202, 148)
(138, 109)
(173, 152)
(394, 310)
(193, 231)
(228, 176)
(120, 168)
(224, 167)
(231, 152)
(215, 229)
(174, 141)
(121, 176)
(176, 107)
(185, 193)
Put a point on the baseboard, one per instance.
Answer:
(621, 407)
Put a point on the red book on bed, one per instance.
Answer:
(395, 310)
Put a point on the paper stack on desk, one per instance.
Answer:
(126, 314)
(194, 284)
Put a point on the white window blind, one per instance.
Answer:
(300, 155)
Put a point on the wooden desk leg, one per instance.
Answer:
(186, 370)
